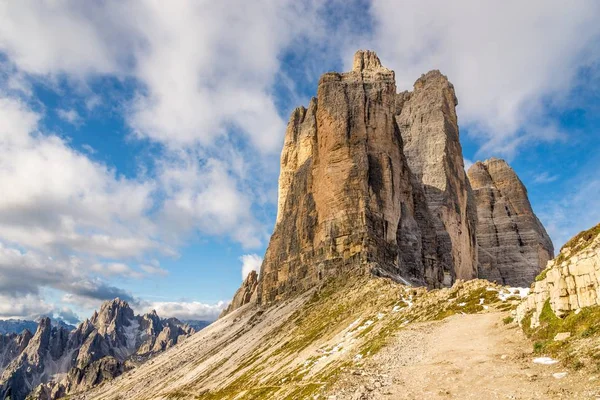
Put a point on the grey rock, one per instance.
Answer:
(513, 244)
(429, 127)
(99, 349)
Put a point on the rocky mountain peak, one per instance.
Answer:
(62, 361)
(513, 244)
(114, 312)
(371, 180)
(366, 60)
(245, 294)
(435, 79)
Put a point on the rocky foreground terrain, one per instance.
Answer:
(55, 361)
(359, 337)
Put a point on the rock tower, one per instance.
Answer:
(353, 195)
(513, 244)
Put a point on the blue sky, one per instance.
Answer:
(140, 140)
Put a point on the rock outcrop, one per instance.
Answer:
(513, 244)
(570, 282)
(429, 127)
(60, 361)
(348, 194)
(247, 293)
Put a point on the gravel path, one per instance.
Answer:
(462, 357)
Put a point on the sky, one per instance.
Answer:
(140, 139)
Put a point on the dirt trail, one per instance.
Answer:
(462, 357)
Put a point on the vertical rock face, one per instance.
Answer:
(513, 245)
(570, 282)
(348, 197)
(428, 124)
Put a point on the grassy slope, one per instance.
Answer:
(347, 320)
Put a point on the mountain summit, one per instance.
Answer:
(371, 180)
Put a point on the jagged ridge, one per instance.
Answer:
(102, 347)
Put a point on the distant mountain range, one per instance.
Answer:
(19, 325)
(196, 324)
(47, 360)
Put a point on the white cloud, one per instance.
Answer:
(204, 68)
(116, 269)
(250, 262)
(154, 270)
(24, 275)
(24, 307)
(544, 177)
(186, 310)
(56, 199)
(507, 60)
(207, 197)
(71, 116)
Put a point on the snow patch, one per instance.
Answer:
(365, 325)
(513, 291)
(544, 361)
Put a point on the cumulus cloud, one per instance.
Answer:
(56, 199)
(67, 315)
(202, 68)
(24, 307)
(507, 60)
(193, 310)
(71, 116)
(250, 262)
(24, 274)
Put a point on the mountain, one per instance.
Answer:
(196, 324)
(19, 325)
(352, 198)
(513, 244)
(16, 326)
(368, 287)
(56, 361)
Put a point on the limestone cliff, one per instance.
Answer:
(570, 282)
(513, 245)
(429, 127)
(348, 197)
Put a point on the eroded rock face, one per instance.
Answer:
(348, 198)
(513, 244)
(428, 124)
(98, 349)
(247, 293)
(570, 282)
